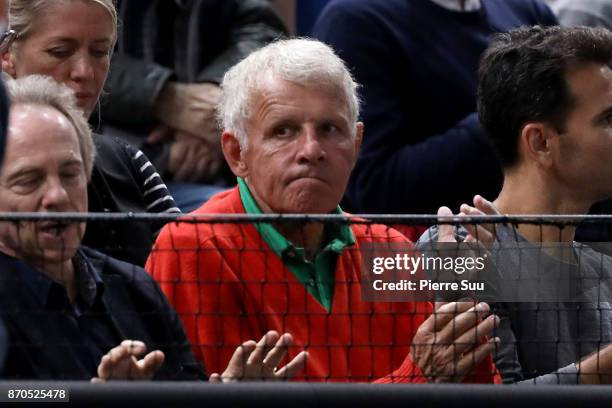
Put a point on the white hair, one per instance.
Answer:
(302, 61)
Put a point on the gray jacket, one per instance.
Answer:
(542, 341)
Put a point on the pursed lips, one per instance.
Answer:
(307, 176)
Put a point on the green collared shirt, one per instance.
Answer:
(317, 276)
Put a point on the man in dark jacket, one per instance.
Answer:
(163, 83)
(65, 306)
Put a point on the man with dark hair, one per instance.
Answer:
(545, 99)
(538, 70)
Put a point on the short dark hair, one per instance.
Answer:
(522, 78)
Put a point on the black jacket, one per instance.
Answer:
(189, 41)
(40, 349)
(119, 185)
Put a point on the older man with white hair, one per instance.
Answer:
(290, 113)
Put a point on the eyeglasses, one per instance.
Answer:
(6, 39)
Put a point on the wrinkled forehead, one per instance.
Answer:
(267, 84)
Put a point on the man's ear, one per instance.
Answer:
(8, 63)
(233, 154)
(358, 137)
(538, 142)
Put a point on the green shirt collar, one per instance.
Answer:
(316, 276)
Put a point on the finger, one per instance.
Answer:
(482, 232)
(212, 133)
(446, 232)
(104, 368)
(177, 153)
(471, 359)
(263, 347)
(472, 337)
(485, 206)
(134, 347)
(183, 167)
(148, 366)
(292, 368)
(96, 380)
(110, 362)
(236, 366)
(118, 354)
(214, 378)
(443, 313)
(446, 313)
(158, 134)
(462, 323)
(276, 355)
(188, 165)
(203, 165)
(210, 163)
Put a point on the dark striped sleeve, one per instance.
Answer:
(156, 196)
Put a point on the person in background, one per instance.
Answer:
(77, 52)
(164, 83)
(417, 62)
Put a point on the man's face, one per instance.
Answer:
(301, 148)
(42, 172)
(585, 150)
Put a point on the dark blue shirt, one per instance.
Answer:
(52, 338)
(87, 325)
(417, 63)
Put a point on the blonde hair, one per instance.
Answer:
(45, 91)
(23, 13)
